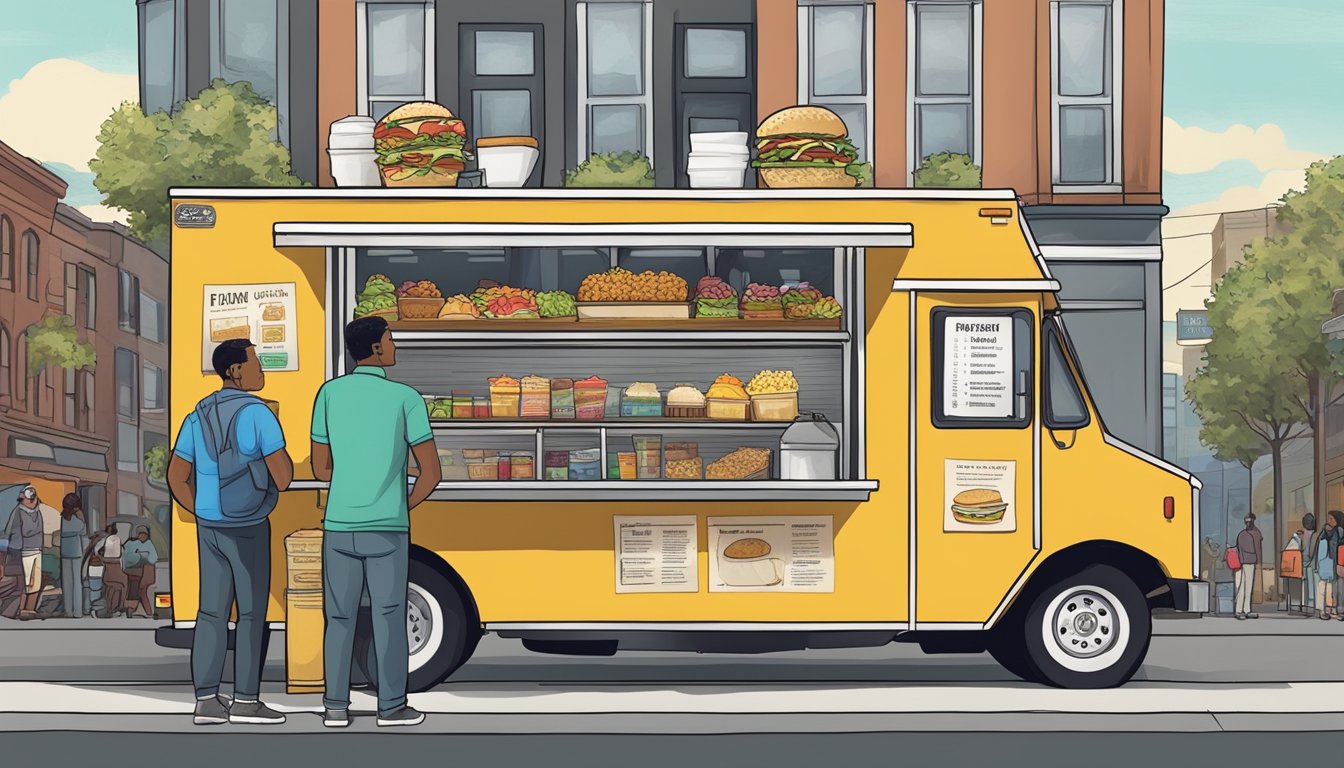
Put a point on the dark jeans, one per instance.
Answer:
(235, 564)
(351, 561)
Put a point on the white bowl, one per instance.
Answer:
(714, 142)
(507, 166)
(718, 178)
(711, 163)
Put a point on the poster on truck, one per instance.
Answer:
(263, 313)
(978, 375)
(979, 496)
(772, 554)
(657, 554)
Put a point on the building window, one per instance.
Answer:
(46, 394)
(128, 505)
(6, 252)
(21, 360)
(87, 396)
(6, 371)
(1085, 58)
(128, 302)
(81, 295)
(153, 387)
(91, 498)
(128, 447)
(615, 92)
(70, 399)
(249, 42)
(162, 54)
(153, 319)
(394, 55)
(30, 248)
(944, 56)
(127, 404)
(835, 65)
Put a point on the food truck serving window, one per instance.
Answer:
(982, 369)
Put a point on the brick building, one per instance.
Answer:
(1058, 99)
(82, 430)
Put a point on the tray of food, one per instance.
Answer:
(622, 294)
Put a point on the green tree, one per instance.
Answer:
(225, 137)
(1301, 270)
(54, 342)
(1247, 381)
(948, 169)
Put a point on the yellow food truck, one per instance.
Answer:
(721, 421)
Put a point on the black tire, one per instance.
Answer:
(1089, 630)
(1007, 647)
(429, 666)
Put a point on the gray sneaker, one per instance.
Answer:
(336, 718)
(211, 711)
(403, 716)
(254, 713)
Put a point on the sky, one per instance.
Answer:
(1250, 95)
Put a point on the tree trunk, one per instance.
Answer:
(1276, 450)
(1320, 395)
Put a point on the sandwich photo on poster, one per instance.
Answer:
(262, 313)
(979, 496)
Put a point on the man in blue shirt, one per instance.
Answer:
(228, 466)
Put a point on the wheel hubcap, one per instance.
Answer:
(1085, 624)
(419, 622)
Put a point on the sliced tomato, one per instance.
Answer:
(430, 128)
(416, 159)
(396, 132)
(449, 164)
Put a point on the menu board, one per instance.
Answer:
(978, 366)
(657, 554)
(772, 554)
(262, 313)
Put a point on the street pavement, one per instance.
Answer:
(1209, 688)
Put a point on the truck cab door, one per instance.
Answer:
(975, 455)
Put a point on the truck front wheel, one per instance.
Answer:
(1089, 630)
(440, 631)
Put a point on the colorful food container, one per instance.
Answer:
(590, 400)
(505, 397)
(562, 399)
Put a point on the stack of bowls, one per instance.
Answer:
(718, 160)
(354, 163)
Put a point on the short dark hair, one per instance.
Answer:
(362, 334)
(228, 354)
(1337, 516)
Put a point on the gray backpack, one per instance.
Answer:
(246, 489)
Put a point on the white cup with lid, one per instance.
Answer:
(350, 147)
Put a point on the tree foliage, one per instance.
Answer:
(948, 169)
(53, 341)
(225, 137)
(611, 169)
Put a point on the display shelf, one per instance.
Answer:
(790, 332)
(643, 490)
(608, 424)
(626, 324)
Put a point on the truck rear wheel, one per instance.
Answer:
(441, 632)
(1089, 630)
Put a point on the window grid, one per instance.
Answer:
(642, 100)
(6, 370)
(806, 90)
(365, 99)
(1110, 103)
(30, 252)
(277, 90)
(6, 249)
(973, 100)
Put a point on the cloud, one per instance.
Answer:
(77, 97)
(1271, 188)
(103, 213)
(1190, 149)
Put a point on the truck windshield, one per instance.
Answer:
(1064, 406)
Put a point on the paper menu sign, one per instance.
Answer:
(263, 313)
(978, 366)
(979, 496)
(772, 554)
(657, 554)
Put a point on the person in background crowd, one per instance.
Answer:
(1337, 540)
(25, 534)
(115, 583)
(74, 539)
(1323, 553)
(138, 558)
(1308, 563)
(1248, 550)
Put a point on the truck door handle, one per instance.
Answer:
(1021, 392)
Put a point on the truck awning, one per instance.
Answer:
(477, 235)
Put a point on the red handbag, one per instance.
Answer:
(1233, 559)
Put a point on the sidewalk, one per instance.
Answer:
(714, 709)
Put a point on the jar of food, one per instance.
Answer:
(462, 405)
(562, 399)
(590, 399)
(480, 408)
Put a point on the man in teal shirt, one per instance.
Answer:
(363, 428)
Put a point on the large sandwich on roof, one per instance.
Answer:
(804, 147)
(420, 144)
